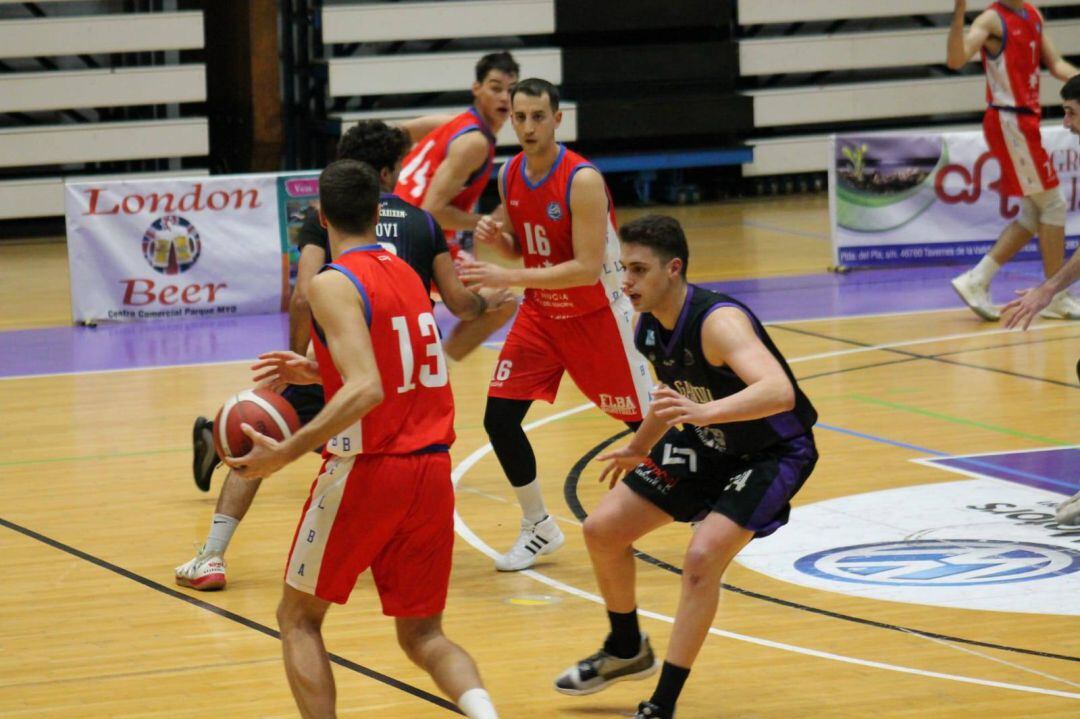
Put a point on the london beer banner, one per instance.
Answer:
(906, 198)
(170, 248)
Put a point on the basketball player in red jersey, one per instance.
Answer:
(448, 168)
(384, 498)
(1011, 38)
(575, 317)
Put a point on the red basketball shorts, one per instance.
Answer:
(596, 350)
(393, 513)
(1016, 144)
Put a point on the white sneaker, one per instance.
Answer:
(206, 572)
(976, 296)
(544, 537)
(1063, 307)
(1068, 512)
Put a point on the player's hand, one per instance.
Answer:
(674, 409)
(496, 297)
(488, 230)
(276, 369)
(264, 459)
(483, 274)
(619, 462)
(1022, 310)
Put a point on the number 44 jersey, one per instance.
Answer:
(417, 411)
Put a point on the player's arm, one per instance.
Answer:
(496, 230)
(1058, 66)
(963, 46)
(589, 213)
(312, 257)
(418, 127)
(728, 338)
(339, 310)
(466, 154)
(462, 302)
(1033, 300)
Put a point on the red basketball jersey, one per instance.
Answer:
(540, 214)
(417, 411)
(1012, 75)
(420, 164)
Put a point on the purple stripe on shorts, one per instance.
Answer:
(772, 513)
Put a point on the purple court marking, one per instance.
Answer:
(113, 346)
(1055, 470)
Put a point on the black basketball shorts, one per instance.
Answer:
(688, 480)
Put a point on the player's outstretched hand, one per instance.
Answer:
(1022, 310)
(620, 462)
(674, 409)
(264, 458)
(276, 369)
(488, 230)
(483, 274)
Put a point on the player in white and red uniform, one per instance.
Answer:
(447, 170)
(574, 318)
(384, 498)
(1011, 39)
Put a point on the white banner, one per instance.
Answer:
(899, 198)
(193, 247)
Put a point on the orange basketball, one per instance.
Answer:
(267, 412)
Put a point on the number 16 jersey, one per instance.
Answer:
(540, 215)
(417, 411)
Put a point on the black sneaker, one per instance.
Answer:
(601, 670)
(206, 459)
(648, 710)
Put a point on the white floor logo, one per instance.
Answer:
(972, 544)
(938, 562)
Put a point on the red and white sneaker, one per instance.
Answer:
(206, 572)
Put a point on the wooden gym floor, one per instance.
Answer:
(914, 580)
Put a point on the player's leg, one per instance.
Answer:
(450, 666)
(467, 335)
(973, 286)
(207, 570)
(1052, 211)
(412, 576)
(528, 369)
(307, 664)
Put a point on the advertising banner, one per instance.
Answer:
(903, 199)
(169, 248)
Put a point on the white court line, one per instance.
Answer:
(118, 370)
(908, 343)
(1014, 665)
(465, 532)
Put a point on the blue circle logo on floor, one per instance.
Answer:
(940, 562)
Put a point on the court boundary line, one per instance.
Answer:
(465, 532)
(227, 614)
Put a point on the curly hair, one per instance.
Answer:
(374, 142)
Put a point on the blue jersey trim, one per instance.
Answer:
(570, 183)
(542, 180)
(356, 281)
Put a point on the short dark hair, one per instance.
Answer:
(501, 61)
(535, 87)
(1071, 89)
(375, 143)
(663, 234)
(349, 196)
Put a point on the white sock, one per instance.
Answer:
(476, 703)
(985, 270)
(532, 501)
(221, 531)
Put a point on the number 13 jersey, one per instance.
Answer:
(540, 215)
(417, 411)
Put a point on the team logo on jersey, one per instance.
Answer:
(171, 245)
(655, 476)
(650, 338)
(554, 210)
(941, 562)
(614, 404)
(688, 357)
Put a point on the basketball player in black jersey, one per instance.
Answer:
(744, 448)
(415, 236)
